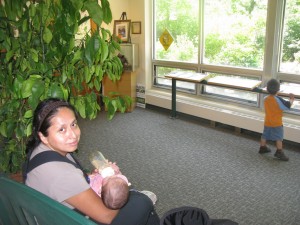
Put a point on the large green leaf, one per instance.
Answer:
(28, 114)
(9, 55)
(77, 56)
(97, 84)
(10, 127)
(34, 55)
(38, 89)
(29, 129)
(18, 83)
(27, 86)
(47, 36)
(111, 110)
(77, 4)
(95, 11)
(107, 15)
(14, 9)
(80, 106)
(87, 74)
(56, 91)
(3, 129)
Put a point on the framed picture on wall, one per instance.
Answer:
(136, 27)
(122, 30)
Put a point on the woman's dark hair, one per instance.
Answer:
(273, 86)
(43, 113)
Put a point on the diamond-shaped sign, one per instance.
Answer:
(166, 39)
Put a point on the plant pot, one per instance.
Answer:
(125, 86)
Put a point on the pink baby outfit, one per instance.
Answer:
(96, 180)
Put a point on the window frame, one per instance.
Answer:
(274, 24)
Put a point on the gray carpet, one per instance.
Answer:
(187, 162)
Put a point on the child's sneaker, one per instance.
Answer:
(280, 155)
(264, 149)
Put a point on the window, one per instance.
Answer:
(181, 85)
(227, 38)
(290, 54)
(234, 32)
(288, 87)
(180, 18)
(244, 83)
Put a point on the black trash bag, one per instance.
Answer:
(187, 215)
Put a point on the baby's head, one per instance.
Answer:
(273, 86)
(115, 191)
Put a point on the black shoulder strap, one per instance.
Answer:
(47, 156)
(50, 156)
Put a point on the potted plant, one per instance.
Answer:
(42, 56)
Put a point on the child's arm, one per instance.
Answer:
(284, 104)
(292, 98)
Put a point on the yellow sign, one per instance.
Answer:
(166, 39)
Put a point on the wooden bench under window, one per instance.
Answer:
(238, 83)
(220, 81)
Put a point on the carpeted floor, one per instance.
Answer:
(187, 162)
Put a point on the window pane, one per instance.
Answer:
(296, 106)
(234, 32)
(294, 88)
(232, 93)
(162, 81)
(290, 55)
(180, 18)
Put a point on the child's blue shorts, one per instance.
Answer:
(273, 133)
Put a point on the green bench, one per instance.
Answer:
(20, 204)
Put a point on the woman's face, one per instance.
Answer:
(64, 133)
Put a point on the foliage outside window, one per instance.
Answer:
(290, 55)
(234, 32)
(181, 19)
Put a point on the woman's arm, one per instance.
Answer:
(90, 204)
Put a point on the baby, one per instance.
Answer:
(111, 186)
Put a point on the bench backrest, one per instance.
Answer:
(20, 204)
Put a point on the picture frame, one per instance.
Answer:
(122, 30)
(136, 27)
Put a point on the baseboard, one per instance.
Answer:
(241, 117)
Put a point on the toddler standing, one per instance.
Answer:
(273, 126)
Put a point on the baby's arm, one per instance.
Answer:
(96, 183)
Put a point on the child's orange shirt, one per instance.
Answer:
(274, 107)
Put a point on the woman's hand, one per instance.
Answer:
(94, 172)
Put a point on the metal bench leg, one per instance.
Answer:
(173, 113)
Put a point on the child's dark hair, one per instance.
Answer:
(273, 86)
(43, 113)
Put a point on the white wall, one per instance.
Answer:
(135, 12)
(117, 7)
